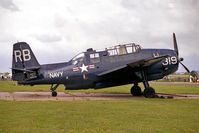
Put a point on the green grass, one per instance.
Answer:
(124, 116)
(159, 88)
(11, 86)
(174, 78)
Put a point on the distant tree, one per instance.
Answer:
(186, 73)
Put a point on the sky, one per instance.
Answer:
(57, 30)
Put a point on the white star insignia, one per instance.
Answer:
(84, 68)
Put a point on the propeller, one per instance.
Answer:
(176, 50)
(175, 44)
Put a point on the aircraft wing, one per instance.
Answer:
(136, 64)
(112, 70)
(147, 62)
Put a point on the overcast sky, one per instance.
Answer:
(57, 30)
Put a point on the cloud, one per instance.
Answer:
(8, 4)
(48, 38)
(71, 27)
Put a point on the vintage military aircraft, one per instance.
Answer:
(118, 65)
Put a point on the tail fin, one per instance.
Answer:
(24, 64)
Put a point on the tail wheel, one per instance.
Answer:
(149, 92)
(54, 93)
(136, 91)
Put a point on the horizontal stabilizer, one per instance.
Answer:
(25, 70)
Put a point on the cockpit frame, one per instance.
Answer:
(123, 49)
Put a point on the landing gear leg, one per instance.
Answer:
(149, 92)
(54, 93)
(136, 90)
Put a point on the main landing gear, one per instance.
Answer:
(136, 90)
(54, 93)
(149, 92)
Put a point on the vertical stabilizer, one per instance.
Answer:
(24, 63)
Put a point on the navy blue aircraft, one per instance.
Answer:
(118, 65)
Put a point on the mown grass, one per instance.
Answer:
(11, 86)
(159, 88)
(124, 116)
(176, 78)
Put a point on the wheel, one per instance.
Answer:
(136, 91)
(149, 92)
(54, 93)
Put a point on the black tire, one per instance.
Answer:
(136, 91)
(54, 93)
(149, 92)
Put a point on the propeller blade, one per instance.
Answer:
(176, 50)
(185, 67)
(175, 44)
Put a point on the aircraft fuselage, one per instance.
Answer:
(85, 73)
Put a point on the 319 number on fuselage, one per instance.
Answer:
(170, 61)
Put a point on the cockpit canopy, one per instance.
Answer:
(111, 51)
(78, 58)
(123, 49)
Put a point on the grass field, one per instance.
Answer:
(11, 86)
(120, 116)
(176, 78)
(124, 116)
